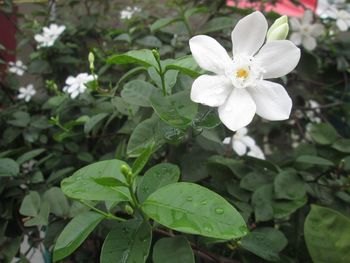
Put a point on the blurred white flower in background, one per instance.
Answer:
(128, 12)
(26, 93)
(315, 110)
(335, 10)
(243, 144)
(238, 87)
(17, 67)
(49, 35)
(28, 166)
(76, 85)
(305, 32)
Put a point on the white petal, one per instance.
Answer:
(249, 141)
(211, 90)
(209, 54)
(256, 152)
(296, 38)
(278, 58)
(307, 18)
(238, 110)
(227, 140)
(272, 100)
(239, 147)
(70, 80)
(317, 30)
(342, 25)
(295, 24)
(241, 132)
(309, 42)
(249, 34)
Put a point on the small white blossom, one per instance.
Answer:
(243, 144)
(28, 166)
(49, 35)
(17, 67)
(128, 12)
(306, 32)
(76, 85)
(239, 88)
(26, 93)
(312, 114)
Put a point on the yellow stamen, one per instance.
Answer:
(242, 73)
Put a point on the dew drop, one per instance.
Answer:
(208, 228)
(189, 198)
(204, 202)
(219, 211)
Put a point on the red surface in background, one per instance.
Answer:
(283, 7)
(7, 39)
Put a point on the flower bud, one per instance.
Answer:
(279, 29)
(91, 61)
(129, 210)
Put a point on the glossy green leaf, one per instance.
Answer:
(29, 156)
(265, 242)
(289, 185)
(82, 184)
(327, 235)
(8, 167)
(194, 209)
(158, 176)
(31, 204)
(342, 145)
(186, 65)
(314, 160)
(58, 202)
(262, 201)
(137, 92)
(323, 133)
(74, 234)
(128, 242)
(142, 57)
(172, 250)
(142, 160)
(177, 110)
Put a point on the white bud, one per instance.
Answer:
(279, 29)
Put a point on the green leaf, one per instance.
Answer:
(137, 92)
(323, 133)
(8, 167)
(143, 135)
(288, 185)
(193, 209)
(177, 110)
(315, 160)
(327, 235)
(158, 176)
(57, 201)
(142, 160)
(82, 184)
(342, 145)
(42, 218)
(186, 65)
(31, 204)
(172, 250)
(93, 121)
(163, 22)
(142, 57)
(109, 181)
(216, 24)
(74, 234)
(149, 41)
(265, 242)
(29, 156)
(206, 118)
(262, 200)
(129, 242)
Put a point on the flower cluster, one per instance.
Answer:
(77, 85)
(239, 88)
(337, 11)
(243, 144)
(49, 35)
(128, 12)
(17, 67)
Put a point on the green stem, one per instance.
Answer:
(161, 74)
(107, 215)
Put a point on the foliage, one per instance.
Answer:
(133, 169)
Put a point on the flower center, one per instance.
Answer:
(245, 71)
(242, 73)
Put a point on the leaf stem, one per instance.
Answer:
(107, 215)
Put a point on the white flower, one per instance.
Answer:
(17, 67)
(49, 35)
(26, 93)
(238, 87)
(76, 85)
(311, 114)
(128, 12)
(305, 32)
(243, 144)
(28, 166)
(335, 11)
